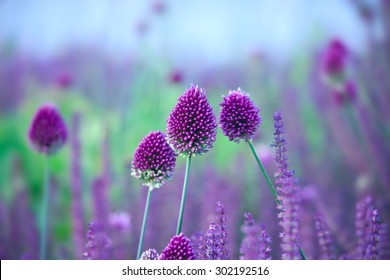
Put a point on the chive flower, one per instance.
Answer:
(48, 131)
(192, 126)
(154, 160)
(239, 117)
(150, 254)
(178, 248)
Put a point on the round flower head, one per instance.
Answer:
(334, 59)
(179, 248)
(192, 126)
(47, 132)
(154, 160)
(150, 254)
(239, 117)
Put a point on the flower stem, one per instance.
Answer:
(274, 193)
(302, 254)
(141, 238)
(183, 197)
(44, 209)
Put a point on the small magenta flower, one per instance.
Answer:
(154, 160)
(150, 254)
(333, 61)
(192, 126)
(239, 117)
(47, 132)
(178, 248)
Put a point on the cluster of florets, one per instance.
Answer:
(154, 160)
(239, 117)
(192, 126)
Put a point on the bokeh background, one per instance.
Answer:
(115, 69)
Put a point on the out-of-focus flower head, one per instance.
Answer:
(48, 131)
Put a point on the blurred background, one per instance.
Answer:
(115, 69)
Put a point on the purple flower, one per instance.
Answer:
(256, 243)
(191, 126)
(369, 230)
(150, 254)
(98, 242)
(239, 117)
(178, 248)
(334, 57)
(287, 195)
(154, 160)
(222, 223)
(47, 131)
(324, 239)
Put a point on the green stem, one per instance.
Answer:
(44, 209)
(302, 254)
(141, 238)
(183, 197)
(274, 193)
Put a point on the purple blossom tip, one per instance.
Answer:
(178, 248)
(239, 117)
(192, 126)
(98, 242)
(154, 160)
(150, 254)
(48, 131)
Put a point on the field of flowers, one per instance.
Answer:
(145, 157)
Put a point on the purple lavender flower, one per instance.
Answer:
(324, 238)
(191, 126)
(256, 243)
(222, 223)
(98, 242)
(369, 230)
(154, 160)
(287, 195)
(239, 117)
(178, 248)
(210, 244)
(150, 254)
(47, 132)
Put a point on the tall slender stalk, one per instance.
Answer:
(271, 187)
(142, 235)
(44, 209)
(273, 191)
(183, 197)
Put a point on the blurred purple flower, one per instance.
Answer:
(287, 195)
(154, 160)
(150, 254)
(370, 231)
(176, 77)
(191, 126)
(334, 60)
(256, 243)
(239, 117)
(98, 243)
(64, 80)
(47, 132)
(178, 248)
(119, 221)
(222, 224)
(324, 238)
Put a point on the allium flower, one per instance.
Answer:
(256, 243)
(191, 126)
(47, 132)
(154, 160)
(239, 117)
(287, 195)
(150, 254)
(179, 248)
